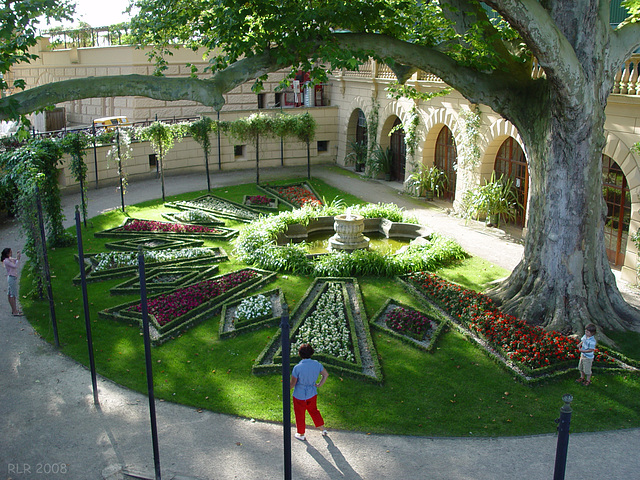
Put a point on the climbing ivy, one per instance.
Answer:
(30, 171)
(75, 144)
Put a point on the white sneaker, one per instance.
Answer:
(325, 432)
(300, 437)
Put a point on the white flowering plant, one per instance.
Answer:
(253, 308)
(109, 260)
(327, 328)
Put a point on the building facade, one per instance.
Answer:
(468, 142)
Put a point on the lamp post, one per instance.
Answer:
(563, 437)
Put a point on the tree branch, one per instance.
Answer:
(461, 12)
(478, 87)
(624, 41)
(208, 92)
(552, 49)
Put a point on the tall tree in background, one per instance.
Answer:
(564, 280)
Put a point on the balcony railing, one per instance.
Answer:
(626, 82)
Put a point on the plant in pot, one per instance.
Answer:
(430, 181)
(496, 199)
(380, 161)
(358, 154)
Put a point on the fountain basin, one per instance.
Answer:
(349, 236)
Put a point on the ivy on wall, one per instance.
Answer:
(469, 152)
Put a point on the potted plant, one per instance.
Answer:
(496, 199)
(430, 181)
(380, 161)
(358, 155)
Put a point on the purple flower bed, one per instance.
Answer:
(408, 322)
(166, 308)
(258, 200)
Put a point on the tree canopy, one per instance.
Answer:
(485, 50)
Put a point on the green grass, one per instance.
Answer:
(456, 390)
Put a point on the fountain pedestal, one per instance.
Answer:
(348, 235)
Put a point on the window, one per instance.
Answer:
(238, 151)
(323, 146)
(153, 160)
(278, 100)
(261, 100)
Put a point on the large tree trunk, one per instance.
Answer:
(564, 280)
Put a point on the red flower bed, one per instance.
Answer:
(528, 345)
(153, 226)
(166, 308)
(299, 196)
(408, 322)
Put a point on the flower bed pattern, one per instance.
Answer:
(527, 350)
(164, 279)
(362, 361)
(194, 217)
(261, 202)
(151, 243)
(172, 312)
(109, 265)
(411, 326)
(133, 227)
(296, 196)
(231, 324)
(220, 207)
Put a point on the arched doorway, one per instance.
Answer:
(445, 159)
(511, 162)
(399, 150)
(361, 128)
(618, 201)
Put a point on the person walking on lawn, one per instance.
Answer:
(304, 382)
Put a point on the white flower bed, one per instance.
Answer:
(216, 204)
(326, 328)
(253, 308)
(109, 260)
(195, 216)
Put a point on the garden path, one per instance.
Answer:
(51, 429)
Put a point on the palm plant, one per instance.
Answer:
(496, 199)
(357, 155)
(428, 180)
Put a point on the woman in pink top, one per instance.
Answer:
(11, 264)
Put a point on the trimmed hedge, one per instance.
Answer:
(379, 323)
(229, 328)
(162, 333)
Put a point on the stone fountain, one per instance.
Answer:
(348, 237)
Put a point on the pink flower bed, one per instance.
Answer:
(166, 308)
(153, 226)
(528, 345)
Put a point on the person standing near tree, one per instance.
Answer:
(11, 264)
(304, 382)
(587, 348)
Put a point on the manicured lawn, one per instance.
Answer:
(456, 390)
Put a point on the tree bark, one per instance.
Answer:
(564, 280)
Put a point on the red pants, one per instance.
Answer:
(300, 407)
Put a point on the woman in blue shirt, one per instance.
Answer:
(304, 382)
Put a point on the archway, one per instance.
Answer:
(399, 150)
(361, 127)
(618, 201)
(445, 159)
(511, 162)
